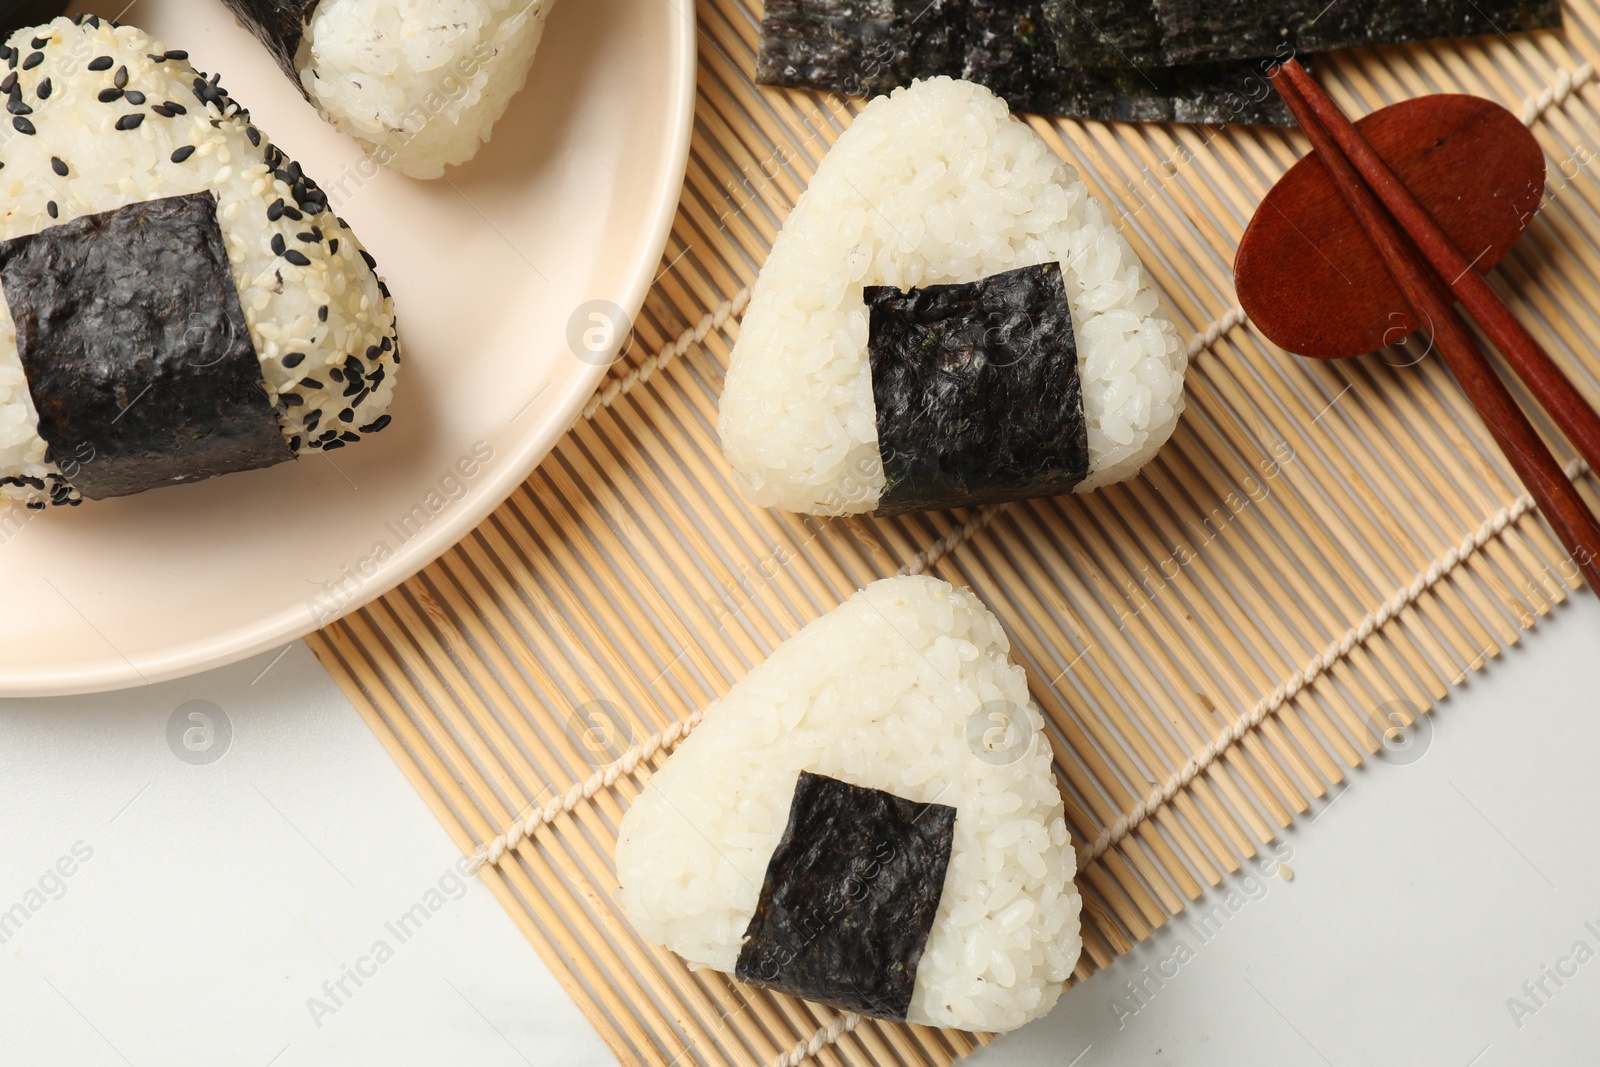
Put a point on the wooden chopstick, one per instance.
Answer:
(1429, 298)
(1576, 417)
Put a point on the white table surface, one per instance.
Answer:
(208, 903)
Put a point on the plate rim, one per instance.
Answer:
(288, 625)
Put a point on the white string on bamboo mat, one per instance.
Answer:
(529, 821)
(533, 818)
(714, 319)
(1319, 665)
(827, 1035)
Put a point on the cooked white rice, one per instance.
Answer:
(878, 693)
(323, 329)
(419, 83)
(933, 183)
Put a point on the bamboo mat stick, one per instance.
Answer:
(629, 571)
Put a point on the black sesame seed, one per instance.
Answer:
(294, 359)
(181, 154)
(33, 60)
(55, 212)
(135, 97)
(291, 213)
(109, 95)
(277, 244)
(130, 122)
(299, 259)
(45, 89)
(35, 505)
(347, 415)
(322, 313)
(59, 166)
(331, 445)
(294, 443)
(100, 63)
(328, 435)
(308, 238)
(17, 107)
(5, 51)
(254, 135)
(387, 344)
(312, 383)
(333, 247)
(292, 400)
(23, 125)
(336, 374)
(120, 78)
(355, 389)
(372, 264)
(375, 425)
(275, 210)
(162, 110)
(40, 42)
(10, 82)
(152, 57)
(175, 107)
(374, 352)
(312, 420)
(177, 53)
(348, 436)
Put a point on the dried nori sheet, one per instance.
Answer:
(867, 47)
(849, 898)
(1203, 31)
(278, 24)
(136, 350)
(977, 391)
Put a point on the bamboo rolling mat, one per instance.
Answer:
(1322, 551)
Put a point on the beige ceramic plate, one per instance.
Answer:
(565, 212)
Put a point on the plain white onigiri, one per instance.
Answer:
(907, 688)
(934, 183)
(420, 83)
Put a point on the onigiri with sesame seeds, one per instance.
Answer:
(420, 84)
(179, 301)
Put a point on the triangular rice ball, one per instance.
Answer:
(869, 819)
(937, 184)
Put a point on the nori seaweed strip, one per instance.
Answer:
(278, 24)
(849, 898)
(1106, 33)
(977, 391)
(1198, 31)
(867, 47)
(1150, 34)
(1117, 60)
(136, 350)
